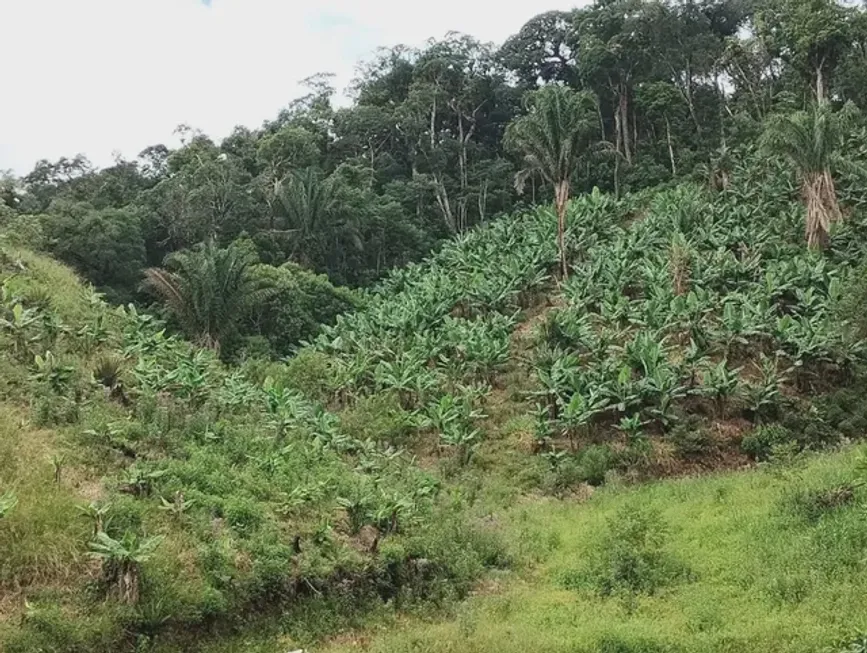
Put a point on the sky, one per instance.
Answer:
(100, 77)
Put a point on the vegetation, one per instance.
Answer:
(263, 459)
(758, 578)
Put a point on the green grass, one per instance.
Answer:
(762, 577)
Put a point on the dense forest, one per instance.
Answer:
(674, 89)
(559, 345)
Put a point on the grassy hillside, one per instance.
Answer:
(752, 561)
(157, 500)
(152, 496)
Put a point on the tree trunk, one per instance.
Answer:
(444, 203)
(670, 147)
(617, 175)
(820, 84)
(690, 102)
(823, 208)
(561, 201)
(623, 110)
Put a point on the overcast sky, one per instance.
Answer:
(98, 76)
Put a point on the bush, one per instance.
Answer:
(846, 411)
(760, 442)
(298, 305)
(309, 372)
(855, 644)
(612, 644)
(813, 503)
(691, 438)
(631, 557)
(594, 462)
(379, 418)
(590, 465)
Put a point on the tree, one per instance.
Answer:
(299, 305)
(542, 50)
(553, 136)
(106, 246)
(613, 48)
(208, 290)
(810, 140)
(810, 35)
(308, 203)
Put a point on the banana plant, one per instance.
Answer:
(463, 440)
(122, 560)
(764, 395)
(578, 414)
(98, 514)
(720, 384)
(138, 481)
(19, 322)
(50, 372)
(631, 426)
(178, 505)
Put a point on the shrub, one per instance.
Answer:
(380, 418)
(854, 644)
(300, 303)
(243, 515)
(760, 442)
(614, 644)
(631, 557)
(308, 373)
(813, 503)
(691, 439)
(810, 428)
(594, 462)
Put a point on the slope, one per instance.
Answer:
(191, 506)
(751, 561)
(152, 497)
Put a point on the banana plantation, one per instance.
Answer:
(155, 498)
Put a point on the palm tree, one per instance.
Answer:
(810, 140)
(309, 203)
(553, 136)
(208, 290)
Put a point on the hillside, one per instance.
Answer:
(156, 499)
(150, 495)
(743, 562)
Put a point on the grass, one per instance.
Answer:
(762, 578)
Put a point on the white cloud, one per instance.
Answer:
(97, 76)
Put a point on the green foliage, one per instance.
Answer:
(811, 504)
(209, 291)
(854, 644)
(761, 441)
(122, 560)
(107, 245)
(8, 501)
(297, 304)
(632, 558)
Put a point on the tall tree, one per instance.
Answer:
(810, 35)
(553, 136)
